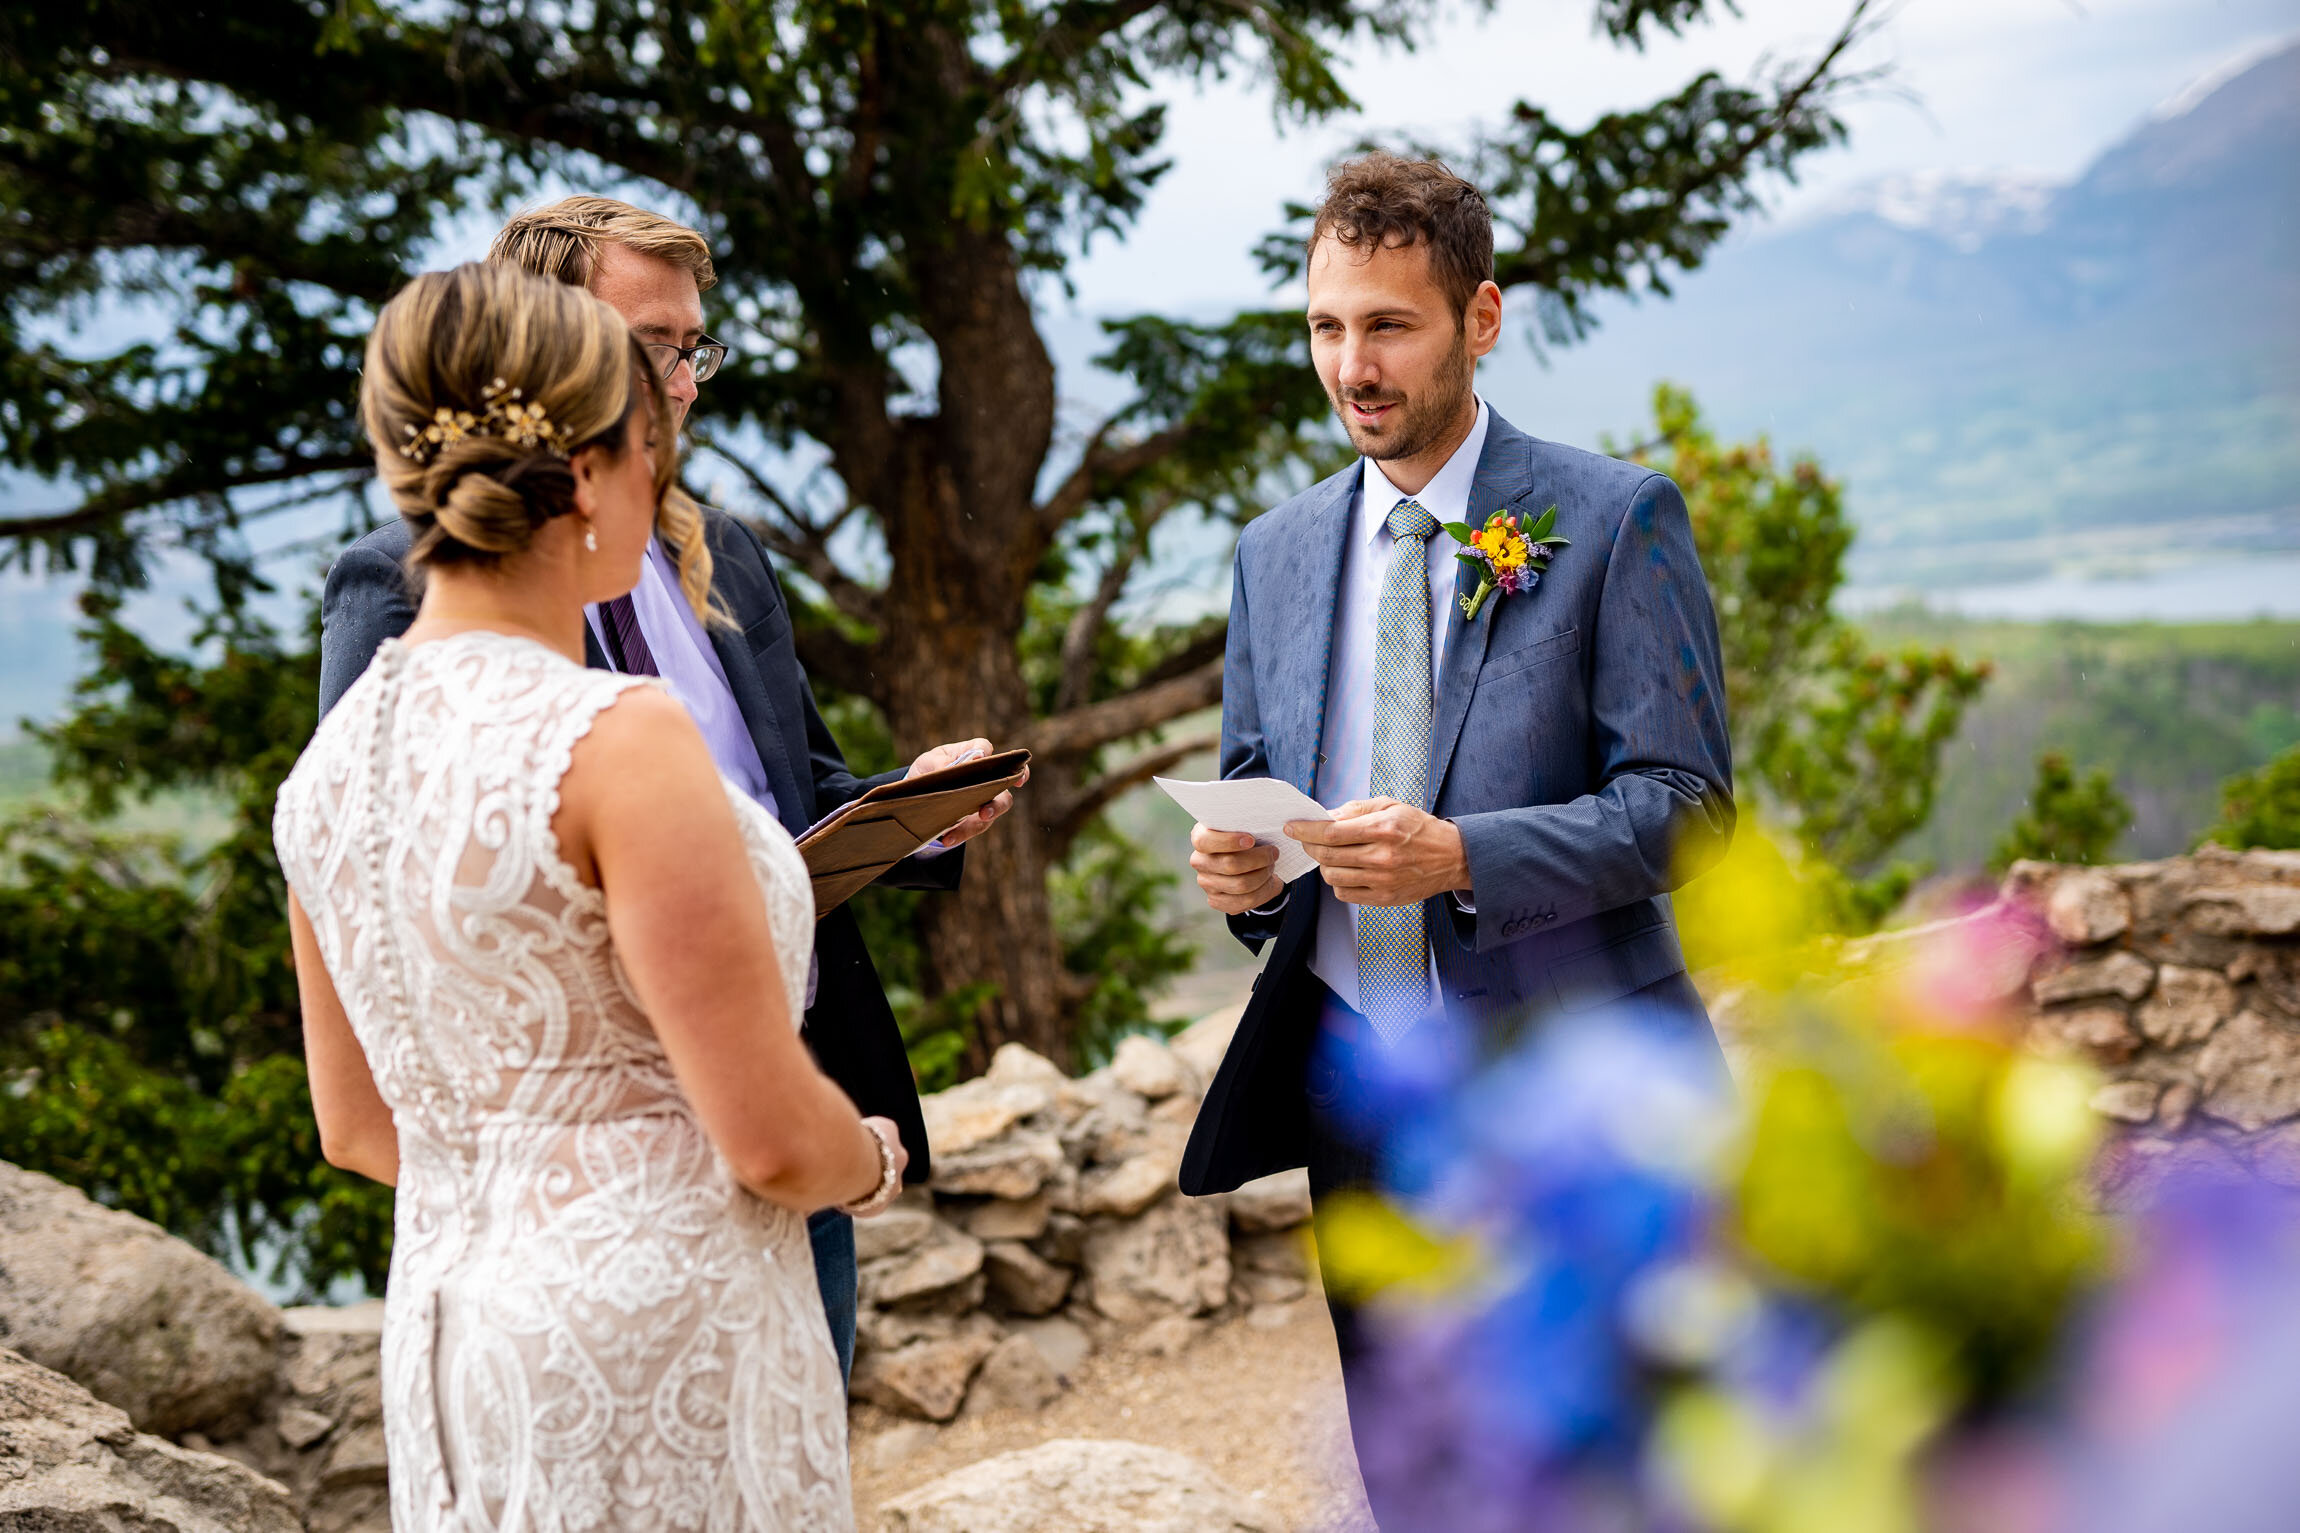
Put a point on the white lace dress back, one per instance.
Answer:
(588, 1324)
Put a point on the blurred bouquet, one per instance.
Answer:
(1868, 1291)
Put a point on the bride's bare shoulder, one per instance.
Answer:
(642, 756)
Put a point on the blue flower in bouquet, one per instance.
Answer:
(1578, 1169)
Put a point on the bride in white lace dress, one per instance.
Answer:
(552, 969)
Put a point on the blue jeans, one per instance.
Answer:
(833, 1235)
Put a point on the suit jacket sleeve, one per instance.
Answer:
(1243, 751)
(1663, 808)
(365, 601)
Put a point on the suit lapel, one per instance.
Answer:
(1294, 721)
(1501, 480)
(794, 807)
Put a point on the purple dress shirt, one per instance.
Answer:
(690, 669)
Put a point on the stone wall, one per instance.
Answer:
(2179, 980)
(1054, 1227)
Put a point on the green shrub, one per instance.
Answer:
(2067, 819)
(2261, 809)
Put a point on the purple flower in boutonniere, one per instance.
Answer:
(1507, 559)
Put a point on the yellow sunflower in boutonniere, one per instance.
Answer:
(1507, 558)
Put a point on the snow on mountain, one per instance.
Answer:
(1964, 209)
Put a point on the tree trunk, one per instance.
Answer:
(949, 680)
(956, 500)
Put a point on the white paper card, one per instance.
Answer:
(1255, 805)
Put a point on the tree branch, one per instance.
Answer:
(803, 543)
(1081, 730)
(1207, 646)
(1086, 624)
(1071, 814)
(1078, 28)
(123, 500)
(1555, 271)
(1100, 468)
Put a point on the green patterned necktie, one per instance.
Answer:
(1393, 943)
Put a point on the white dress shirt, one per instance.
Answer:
(1346, 749)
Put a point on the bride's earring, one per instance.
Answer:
(591, 540)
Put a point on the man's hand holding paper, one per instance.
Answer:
(1377, 851)
(1247, 862)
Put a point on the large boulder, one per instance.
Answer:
(1075, 1485)
(68, 1462)
(137, 1317)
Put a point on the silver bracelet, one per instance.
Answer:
(889, 1180)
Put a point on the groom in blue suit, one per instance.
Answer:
(1517, 791)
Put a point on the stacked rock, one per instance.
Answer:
(1054, 1226)
(2179, 980)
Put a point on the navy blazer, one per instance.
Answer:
(850, 1029)
(1579, 743)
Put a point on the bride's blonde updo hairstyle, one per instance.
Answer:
(480, 384)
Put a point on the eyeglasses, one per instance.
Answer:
(704, 357)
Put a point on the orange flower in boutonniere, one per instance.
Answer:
(1507, 559)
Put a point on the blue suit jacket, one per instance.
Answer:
(1579, 743)
(850, 1029)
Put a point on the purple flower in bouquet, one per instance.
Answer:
(2183, 1400)
(1506, 557)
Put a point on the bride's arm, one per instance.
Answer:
(355, 1127)
(642, 811)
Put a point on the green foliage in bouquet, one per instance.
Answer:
(1772, 1310)
(1907, 1168)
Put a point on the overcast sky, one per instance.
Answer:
(2036, 86)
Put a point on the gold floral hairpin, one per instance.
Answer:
(505, 412)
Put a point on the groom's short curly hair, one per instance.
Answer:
(562, 240)
(1384, 200)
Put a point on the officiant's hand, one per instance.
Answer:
(1233, 870)
(979, 821)
(1377, 851)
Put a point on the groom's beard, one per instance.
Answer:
(1420, 422)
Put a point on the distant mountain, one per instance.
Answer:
(2009, 374)
(1963, 209)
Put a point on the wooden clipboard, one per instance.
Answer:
(867, 835)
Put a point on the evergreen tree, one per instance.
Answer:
(2261, 809)
(2068, 819)
(150, 1045)
(1834, 742)
(886, 186)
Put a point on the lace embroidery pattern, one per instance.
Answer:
(588, 1323)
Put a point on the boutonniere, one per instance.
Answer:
(1506, 558)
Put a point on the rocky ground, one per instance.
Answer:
(1257, 1400)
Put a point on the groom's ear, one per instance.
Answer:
(1481, 322)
